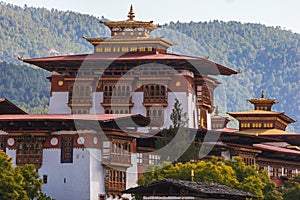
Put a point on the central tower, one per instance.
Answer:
(131, 72)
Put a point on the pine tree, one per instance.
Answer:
(177, 116)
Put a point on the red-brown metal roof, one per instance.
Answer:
(55, 122)
(88, 117)
(200, 65)
(7, 107)
(276, 149)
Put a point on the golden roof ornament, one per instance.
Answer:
(217, 111)
(131, 14)
(262, 94)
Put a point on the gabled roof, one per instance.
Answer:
(7, 107)
(262, 113)
(171, 187)
(57, 122)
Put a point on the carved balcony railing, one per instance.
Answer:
(80, 101)
(117, 159)
(108, 100)
(163, 101)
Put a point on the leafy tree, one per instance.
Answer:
(33, 182)
(183, 144)
(234, 174)
(19, 183)
(291, 189)
(11, 180)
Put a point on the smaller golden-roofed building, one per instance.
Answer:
(219, 122)
(262, 120)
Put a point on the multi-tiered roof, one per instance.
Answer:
(130, 43)
(262, 120)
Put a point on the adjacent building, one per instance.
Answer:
(102, 105)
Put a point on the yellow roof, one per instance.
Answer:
(254, 112)
(259, 132)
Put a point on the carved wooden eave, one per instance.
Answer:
(130, 41)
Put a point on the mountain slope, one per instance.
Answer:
(268, 56)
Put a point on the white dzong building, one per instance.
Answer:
(85, 147)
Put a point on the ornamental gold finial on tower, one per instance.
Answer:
(131, 14)
(262, 94)
(263, 103)
(217, 111)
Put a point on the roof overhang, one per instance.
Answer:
(61, 64)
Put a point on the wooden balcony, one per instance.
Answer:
(117, 159)
(80, 101)
(204, 101)
(115, 187)
(163, 101)
(126, 101)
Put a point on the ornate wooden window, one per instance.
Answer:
(204, 95)
(256, 125)
(156, 114)
(293, 173)
(117, 94)
(117, 110)
(80, 97)
(67, 149)
(249, 160)
(29, 151)
(268, 125)
(80, 110)
(117, 153)
(155, 94)
(115, 180)
(154, 159)
(245, 125)
(203, 118)
(139, 157)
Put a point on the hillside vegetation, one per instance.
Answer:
(268, 56)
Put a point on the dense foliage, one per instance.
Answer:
(233, 174)
(291, 190)
(19, 183)
(268, 56)
(25, 86)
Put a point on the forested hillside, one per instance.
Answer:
(268, 56)
(25, 86)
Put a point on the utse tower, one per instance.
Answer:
(131, 72)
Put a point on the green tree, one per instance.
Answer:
(291, 189)
(177, 116)
(234, 174)
(33, 182)
(19, 183)
(11, 180)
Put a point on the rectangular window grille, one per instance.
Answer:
(67, 149)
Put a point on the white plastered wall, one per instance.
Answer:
(97, 100)
(59, 103)
(82, 179)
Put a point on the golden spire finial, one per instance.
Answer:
(262, 94)
(217, 111)
(131, 13)
(20, 58)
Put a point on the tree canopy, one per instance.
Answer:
(234, 174)
(19, 183)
